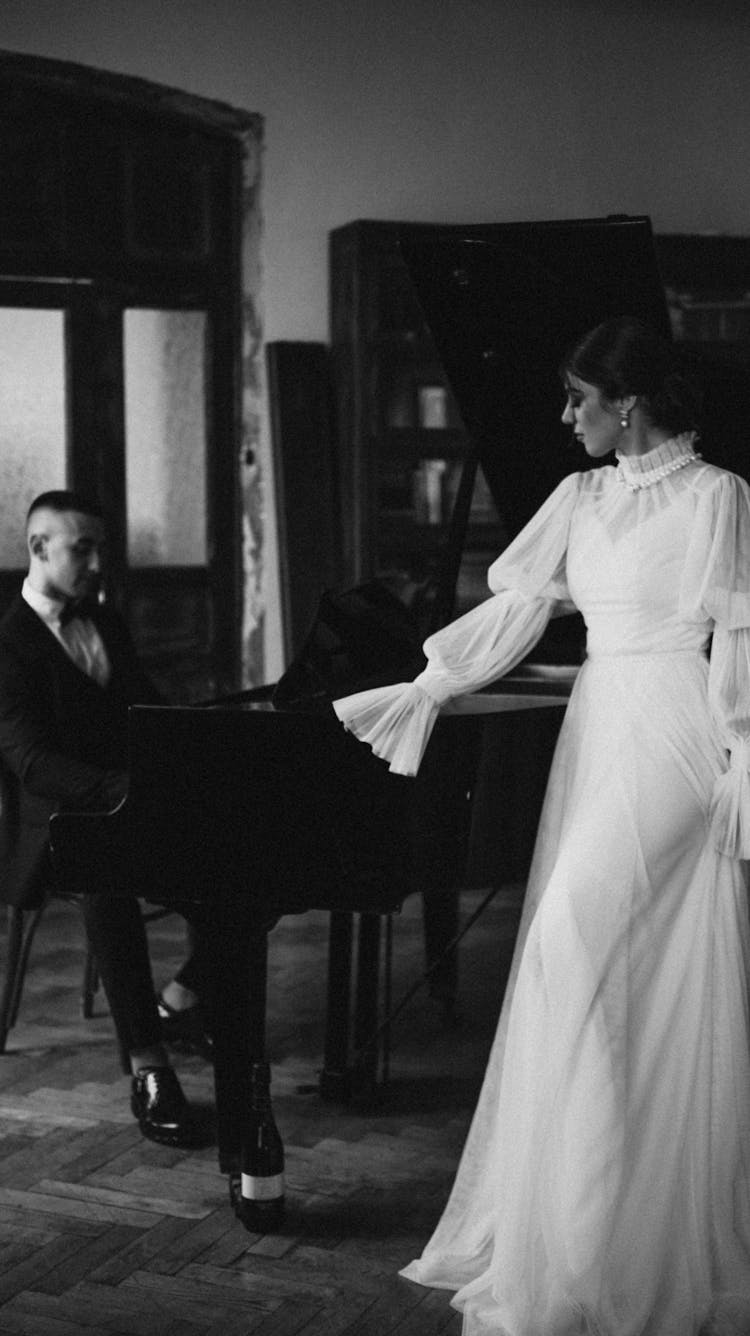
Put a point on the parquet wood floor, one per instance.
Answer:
(102, 1232)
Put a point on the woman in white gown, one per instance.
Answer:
(604, 1189)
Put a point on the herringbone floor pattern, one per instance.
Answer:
(103, 1232)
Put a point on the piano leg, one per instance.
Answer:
(345, 1075)
(441, 814)
(366, 1008)
(440, 811)
(335, 1078)
(236, 1002)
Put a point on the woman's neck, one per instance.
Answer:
(640, 438)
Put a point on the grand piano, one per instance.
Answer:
(256, 809)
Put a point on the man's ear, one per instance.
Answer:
(38, 546)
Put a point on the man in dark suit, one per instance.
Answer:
(68, 672)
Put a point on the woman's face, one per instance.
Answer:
(595, 421)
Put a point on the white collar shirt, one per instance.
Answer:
(78, 637)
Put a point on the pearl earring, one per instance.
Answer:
(624, 421)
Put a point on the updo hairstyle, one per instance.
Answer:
(625, 356)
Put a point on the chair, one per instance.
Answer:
(22, 926)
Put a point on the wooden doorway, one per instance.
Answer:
(123, 226)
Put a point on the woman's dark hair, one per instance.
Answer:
(625, 356)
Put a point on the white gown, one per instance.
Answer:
(604, 1189)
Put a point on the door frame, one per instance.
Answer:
(224, 281)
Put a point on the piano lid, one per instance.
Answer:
(504, 303)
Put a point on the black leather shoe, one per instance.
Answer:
(185, 1031)
(163, 1113)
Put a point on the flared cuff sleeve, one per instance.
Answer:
(396, 721)
(528, 584)
(729, 695)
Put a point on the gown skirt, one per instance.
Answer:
(604, 1189)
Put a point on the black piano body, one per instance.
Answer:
(263, 812)
(252, 814)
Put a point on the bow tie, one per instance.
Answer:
(81, 607)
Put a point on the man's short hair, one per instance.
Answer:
(62, 500)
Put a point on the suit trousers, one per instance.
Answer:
(117, 936)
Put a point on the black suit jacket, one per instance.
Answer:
(63, 738)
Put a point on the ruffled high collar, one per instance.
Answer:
(637, 471)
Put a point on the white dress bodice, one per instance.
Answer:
(654, 571)
(625, 563)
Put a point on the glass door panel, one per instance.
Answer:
(165, 437)
(33, 430)
(166, 389)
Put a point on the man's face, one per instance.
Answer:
(66, 553)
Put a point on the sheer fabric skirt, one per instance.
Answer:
(605, 1184)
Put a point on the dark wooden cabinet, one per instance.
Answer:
(401, 439)
(707, 285)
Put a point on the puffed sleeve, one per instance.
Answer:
(716, 578)
(717, 587)
(729, 696)
(396, 721)
(534, 563)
